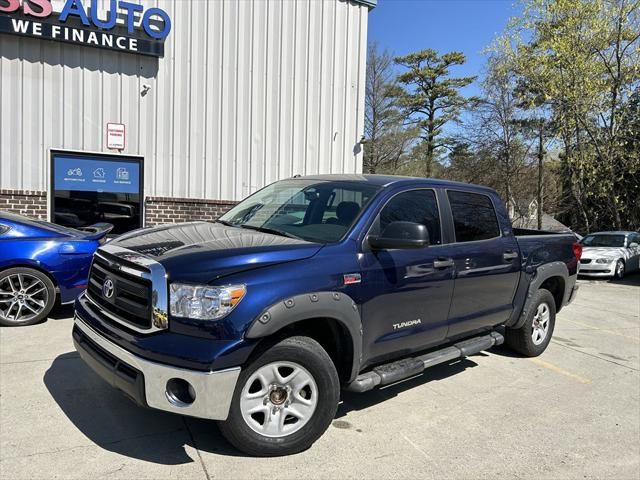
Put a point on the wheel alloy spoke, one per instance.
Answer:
(254, 404)
(26, 304)
(10, 282)
(273, 424)
(13, 304)
(37, 292)
(276, 374)
(18, 316)
(300, 411)
(35, 283)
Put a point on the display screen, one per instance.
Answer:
(90, 188)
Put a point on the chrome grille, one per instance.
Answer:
(137, 293)
(131, 296)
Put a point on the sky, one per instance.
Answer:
(469, 26)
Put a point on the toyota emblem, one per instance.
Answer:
(108, 288)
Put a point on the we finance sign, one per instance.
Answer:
(125, 27)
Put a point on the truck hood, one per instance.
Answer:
(201, 252)
(603, 252)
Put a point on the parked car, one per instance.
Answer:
(610, 254)
(311, 285)
(39, 262)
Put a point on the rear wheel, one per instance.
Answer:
(284, 401)
(534, 336)
(26, 296)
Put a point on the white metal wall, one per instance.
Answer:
(249, 91)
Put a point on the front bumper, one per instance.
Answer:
(147, 382)
(598, 269)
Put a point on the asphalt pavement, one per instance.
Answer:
(574, 412)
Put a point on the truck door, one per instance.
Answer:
(407, 294)
(487, 263)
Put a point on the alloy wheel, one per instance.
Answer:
(278, 399)
(22, 297)
(541, 322)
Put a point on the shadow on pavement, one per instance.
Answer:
(115, 423)
(631, 279)
(60, 312)
(360, 401)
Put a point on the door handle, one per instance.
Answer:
(443, 263)
(510, 255)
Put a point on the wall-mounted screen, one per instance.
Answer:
(93, 188)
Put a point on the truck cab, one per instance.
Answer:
(310, 286)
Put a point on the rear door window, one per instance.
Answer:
(474, 217)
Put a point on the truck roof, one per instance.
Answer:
(389, 180)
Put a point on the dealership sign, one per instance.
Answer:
(80, 23)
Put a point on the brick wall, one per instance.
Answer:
(30, 203)
(159, 210)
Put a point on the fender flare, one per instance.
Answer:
(334, 305)
(542, 273)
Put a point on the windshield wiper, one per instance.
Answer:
(273, 231)
(224, 222)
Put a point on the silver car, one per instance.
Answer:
(610, 254)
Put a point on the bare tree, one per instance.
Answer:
(386, 137)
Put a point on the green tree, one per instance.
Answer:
(583, 57)
(431, 97)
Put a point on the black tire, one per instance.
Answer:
(521, 339)
(46, 298)
(310, 355)
(618, 273)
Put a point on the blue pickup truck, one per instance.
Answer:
(310, 286)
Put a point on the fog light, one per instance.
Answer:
(180, 392)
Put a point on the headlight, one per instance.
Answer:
(603, 260)
(202, 302)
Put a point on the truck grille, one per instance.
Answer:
(127, 297)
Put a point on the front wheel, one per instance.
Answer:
(534, 336)
(619, 271)
(284, 401)
(26, 296)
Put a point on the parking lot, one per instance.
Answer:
(572, 413)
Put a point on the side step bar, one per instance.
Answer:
(409, 367)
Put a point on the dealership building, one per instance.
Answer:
(141, 113)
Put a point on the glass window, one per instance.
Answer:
(89, 189)
(603, 240)
(474, 217)
(316, 211)
(417, 206)
(3, 229)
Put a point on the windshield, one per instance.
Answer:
(316, 211)
(603, 241)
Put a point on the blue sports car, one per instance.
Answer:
(40, 261)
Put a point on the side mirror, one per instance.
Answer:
(400, 235)
(633, 245)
